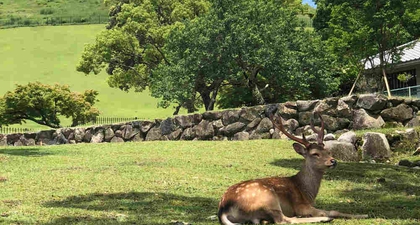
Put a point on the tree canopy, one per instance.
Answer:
(43, 104)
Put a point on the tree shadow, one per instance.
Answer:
(387, 191)
(137, 208)
(29, 152)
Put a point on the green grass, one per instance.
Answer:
(24, 12)
(157, 182)
(50, 55)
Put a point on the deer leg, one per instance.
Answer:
(333, 214)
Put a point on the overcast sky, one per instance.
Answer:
(310, 2)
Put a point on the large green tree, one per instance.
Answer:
(359, 31)
(133, 44)
(43, 104)
(253, 51)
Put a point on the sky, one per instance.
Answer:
(310, 2)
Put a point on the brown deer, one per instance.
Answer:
(282, 200)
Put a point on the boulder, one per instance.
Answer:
(349, 137)
(401, 113)
(305, 118)
(138, 138)
(255, 136)
(217, 124)
(212, 115)
(87, 137)
(264, 126)
(249, 114)
(371, 102)
(415, 122)
(230, 116)
(116, 139)
(146, 126)
(306, 105)
(3, 140)
(98, 137)
(44, 137)
(287, 111)
(12, 138)
(188, 134)
(154, 134)
(232, 129)
(343, 110)
(175, 135)
(329, 137)
(363, 120)
(167, 126)
(253, 124)
(395, 101)
(59, 138)
(241, 136)
(335, 123)
(349, 100)
(79, 133)
(204, 130)
(342, 150)
(375, 146)
(109, 134)
(409, 135)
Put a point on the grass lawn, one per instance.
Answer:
(50, 55)
(158, 182)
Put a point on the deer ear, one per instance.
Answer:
(299, 149)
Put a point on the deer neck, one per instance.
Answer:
(308, 181)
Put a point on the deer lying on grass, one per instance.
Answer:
(281, 200)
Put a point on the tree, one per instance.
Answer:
(133, 44)
(252, 51)
(43, 104)
(357, 31)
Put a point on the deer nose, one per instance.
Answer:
(333, 162)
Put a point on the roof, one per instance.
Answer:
(409, 54)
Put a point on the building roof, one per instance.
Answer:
(409, 54)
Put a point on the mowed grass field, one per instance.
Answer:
(160, 182)
(50, 54)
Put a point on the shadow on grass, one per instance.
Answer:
(30, 152)
(387, 191)
(137, 208)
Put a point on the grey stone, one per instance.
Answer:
(3, 140)
(329, 137)
(59, 138)
(363, 120)
(217, 124)
(409, 134)
(18, 143)
(264, 126)
(79, 134)
(312, 137)
(255, 136)
(416, 103)
(335, 123)
(249, 114)
(167, 126)
(212, 115)
(375, 146)
(401, 113)
(204, 130)
(395, 101)
(118, 133)
(342, 150)
(349, 137)
(138, 138)
(230, 116)
(88, 136)
(415, 122)
(371, 102)
(109, 134)
(231, 129)
(129, 132)
(154, 134)
(116, 139)
(349, 100)
(343, 109)
(188, 134)
(98, 137)
(175, 135)
(305, 118)
(405, 162)
(241, 136)
(44, 137)
(146, 126)
(72, 142)
(253, 124)
(306, 105)
(287, 112)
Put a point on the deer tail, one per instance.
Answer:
(294, 220)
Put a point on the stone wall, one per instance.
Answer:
(339, 114)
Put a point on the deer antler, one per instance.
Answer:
(279, 125)
(319, 132)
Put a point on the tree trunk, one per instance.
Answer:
(177, 110)
(256, 94)
(382, 66)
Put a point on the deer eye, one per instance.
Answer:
(315, 155)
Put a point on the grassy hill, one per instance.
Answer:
(33, 12)
(50, 54)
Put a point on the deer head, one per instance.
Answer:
(317, 157)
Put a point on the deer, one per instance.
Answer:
(284, 200)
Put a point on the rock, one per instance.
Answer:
(401, 113)
(212, 115)
(363, 120)
(305, 118)
(30, 142)
(342, 150)
(167, 126)
(312, 137)
(129, 132)
(72, 142)
(395, 101)
(333, 123)
(371, 102)
(118, 133)
(230, 116)
(3, 140)
(417, 152)
(88, 135)
(175, 135)
(154, 134)
(375, 146)
(59, 138)
(241, 136)
(204, 130)
(264, 126)
(287, 112)
(343, 110)
(349, 100)
(409, 134)
(116, 139)
(137, 138)
(217, 124)
(329, 137)
(322, 107)
(231, 129)
(416, 103)
(146, 126)
(255, 136)
(406, 163)
(79, 134)
(306, 105)
(44, 137)
(253, 124)
(250, 114)
(415, 122)
(291, 125)
(188, 134)
(98, 137)
(109, 134)
(349, 137)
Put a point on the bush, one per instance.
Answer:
(46, 11)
